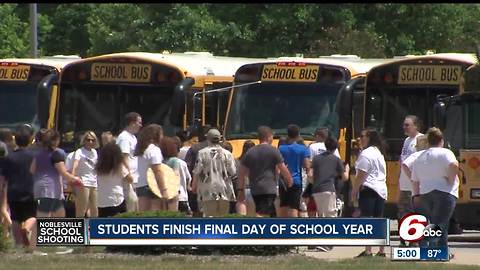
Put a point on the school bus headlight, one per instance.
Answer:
(475, 193)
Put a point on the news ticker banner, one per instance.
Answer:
(420, 254)
(214, 231)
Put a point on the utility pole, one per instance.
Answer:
(33, 31)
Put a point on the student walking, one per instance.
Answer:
(370, 184)
(212, 177)
(84, 161)
(150, 157)
(411, 127)
(296, 157)
(325, 170)
(111, 175)
(260, 163)
(128, 142)
(19, 188)
(435, 185)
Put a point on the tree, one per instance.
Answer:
(13, 33)
(118, 28)
(69, 34)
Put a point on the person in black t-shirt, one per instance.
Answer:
(326, 168)
(260, 164)
(19, 184)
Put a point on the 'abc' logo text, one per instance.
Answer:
(413, 227)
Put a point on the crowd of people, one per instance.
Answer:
(110, 176)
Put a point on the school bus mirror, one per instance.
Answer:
(439, 115)
(44, 91)
(178, 101)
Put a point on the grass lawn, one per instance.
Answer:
(18, 260)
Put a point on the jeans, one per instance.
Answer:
(438, 207)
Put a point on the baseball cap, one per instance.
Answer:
(214, 135)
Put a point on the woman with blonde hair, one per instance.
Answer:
(84, 161)
(149, 156)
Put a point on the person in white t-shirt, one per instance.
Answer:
(84, 161)
(435, 185)
(411, 127)
(420, 146)
(318, 147)
(370, 185)
(127, 142)
(111, 175)
(149, 156)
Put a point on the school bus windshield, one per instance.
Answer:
(18, 103)
(277, 105)
(386, 110)
(472, 122)
(101, 107)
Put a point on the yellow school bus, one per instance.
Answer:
(96, 92)
(403, 87)
(20, 79)
(290, 90)
(459, 118)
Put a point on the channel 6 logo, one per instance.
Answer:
(414, 227)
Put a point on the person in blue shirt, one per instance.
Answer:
(296, 156)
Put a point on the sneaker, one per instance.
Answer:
(64, 250)
(364, 254)
(322, 249)
(451, 256)
(36, 252)
(380, 254)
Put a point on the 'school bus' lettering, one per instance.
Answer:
(308, 73)
(118, 72)
(14, 73)
(429, 74)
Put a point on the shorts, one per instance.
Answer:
(112, 210)
(290, 197)
(145, 191)
(371, 204)
(265, 204)
(21, 211)
(47, 205)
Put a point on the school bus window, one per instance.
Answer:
(18, 102)
(312, 106)
(375, 105)
(473, 123)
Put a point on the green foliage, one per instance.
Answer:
(118, 27)
(250, 30)
(73, 39)
(202, 250)
(13, 33)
